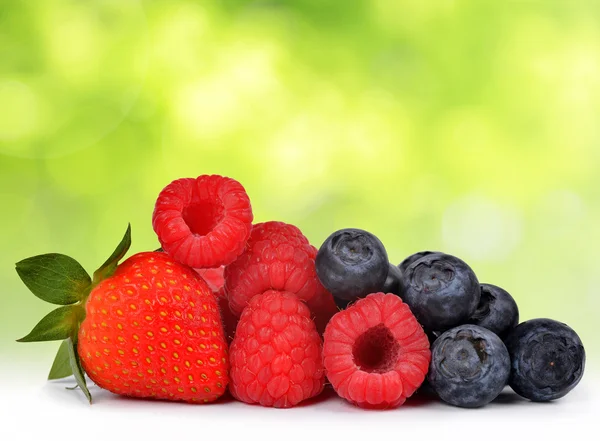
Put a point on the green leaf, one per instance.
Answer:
(55, 278)
(57, 325)
(77, 369)
(109, 267)
(61, 367)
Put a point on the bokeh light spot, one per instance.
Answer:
(478, 228)
(559, 213)
(18, 111)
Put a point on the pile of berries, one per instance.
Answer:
(255, 309)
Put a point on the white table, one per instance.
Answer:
(31, 408)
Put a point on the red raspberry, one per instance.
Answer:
(375, 352)
(278, 257)
(215, 281)
(214, 278)
(203, 222)
(229, 320)
(323, 307)
(276, 353)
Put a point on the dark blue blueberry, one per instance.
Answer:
(441, 290)
(413, 258)
(469, 366)
(392, 282)
(547, 359)
(497, 310)
(351, 264)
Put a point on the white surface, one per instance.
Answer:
(31, 408)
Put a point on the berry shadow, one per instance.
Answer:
(327, 395)
(66, 389)
(421, 399)
(511, 398)
(508, 397)
(224, 400)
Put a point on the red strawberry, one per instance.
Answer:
(154, 330)
(148, 328)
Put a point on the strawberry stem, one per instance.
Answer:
(61, 280)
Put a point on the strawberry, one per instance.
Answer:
(147, 328)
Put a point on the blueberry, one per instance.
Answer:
(547, 359)
(352, 263)
(392, 282)
(413, 258)
(497, 310)
(469, 366)
(441, 290)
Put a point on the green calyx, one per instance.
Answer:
(61, 280)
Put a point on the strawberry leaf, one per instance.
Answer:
(109, 267)
(55, 278)
(61, 367)
(77, 369)
(57, 325)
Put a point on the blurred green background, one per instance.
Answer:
(464, 126)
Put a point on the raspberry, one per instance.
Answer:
(375, 352)
(277, 257)
(214, 278)
(203, 222)
(229, 320)
(323, 307)
(276, 353)
(215, 281)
